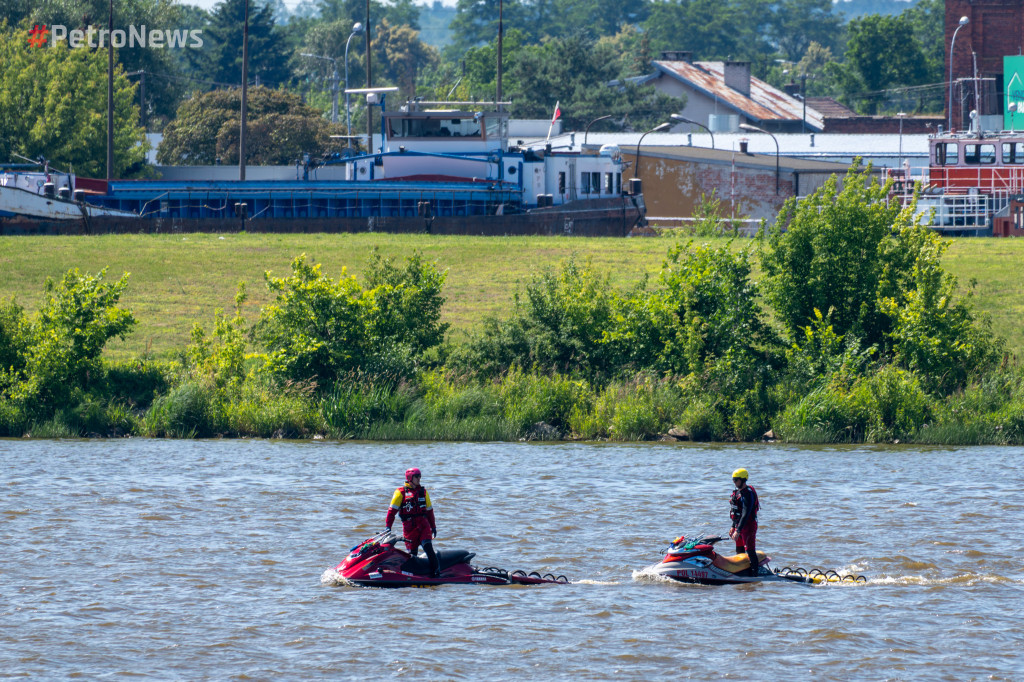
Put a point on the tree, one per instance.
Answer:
(863, 263)
(65, 120)
(868, 70)
(163, 67)
(711, 29)
(397, 12)
(79, 315)
(280, 129)
(476, 23)
(220, 60)
(576, 71)
(402, 56)
(318, 329)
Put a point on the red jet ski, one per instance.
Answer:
(377, 562)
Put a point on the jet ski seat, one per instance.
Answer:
(420, 565)
(737, 562)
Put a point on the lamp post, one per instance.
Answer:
(755, 129)
(356, 28)
(656, 129)
(245, 95)
(683, 119)
(334, 83)
(587, 130)
(963, 22)
(901, 115)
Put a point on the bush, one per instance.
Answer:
(703, 421)
(191, 410)
(318, 329)
(530, 398)
(358, 404)
(135, 382)
(634, 410)
(12, 419)
(558, 325)
(885, 406)
(78, 316)
(261, 410)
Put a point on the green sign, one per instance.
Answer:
(1013, 86)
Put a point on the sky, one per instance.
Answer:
(208, 4)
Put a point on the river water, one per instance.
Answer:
(211, 560)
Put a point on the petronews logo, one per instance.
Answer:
(135, 36)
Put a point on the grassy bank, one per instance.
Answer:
(180, 279)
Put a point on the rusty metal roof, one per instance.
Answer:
(765, 102)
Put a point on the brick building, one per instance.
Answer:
(996, 30)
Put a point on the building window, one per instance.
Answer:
(609, 184)
(618, 183)
(595, 182)
(561, 182)
(585, 183)
(1013, 152)
(979, 153)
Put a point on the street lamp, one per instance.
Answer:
(683, 119)
(656, 129)
(755, 129)
(587, 130)
(356, 28)
(901, 115)
(963, 22)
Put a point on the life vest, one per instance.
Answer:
(414, 502)
(736, 505)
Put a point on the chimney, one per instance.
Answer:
(737, 76)
(677, 56)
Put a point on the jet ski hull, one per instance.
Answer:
(377, 562)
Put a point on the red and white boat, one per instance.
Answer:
(974, 183)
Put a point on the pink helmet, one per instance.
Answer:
(409, 473)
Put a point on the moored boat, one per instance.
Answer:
(440, 168)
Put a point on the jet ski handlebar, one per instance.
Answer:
(683, 542)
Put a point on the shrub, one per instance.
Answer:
(530, 398)
(840, 251)
(318, 329)
(557, 325)
(703, 420)
(190, 410)
(135, 382)
(77, 318)
(12, 419)
(358, 404)
(713, 309)
(262, 410)
(644, 409)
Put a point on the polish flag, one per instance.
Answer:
(554, 117)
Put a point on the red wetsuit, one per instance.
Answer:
(744, 505)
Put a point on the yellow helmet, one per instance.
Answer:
(741, 473)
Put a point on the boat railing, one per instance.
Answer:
(958, 179)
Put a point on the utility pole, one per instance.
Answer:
(245, 89)
(110, 92)
(501, 32)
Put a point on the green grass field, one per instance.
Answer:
(180, 279)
